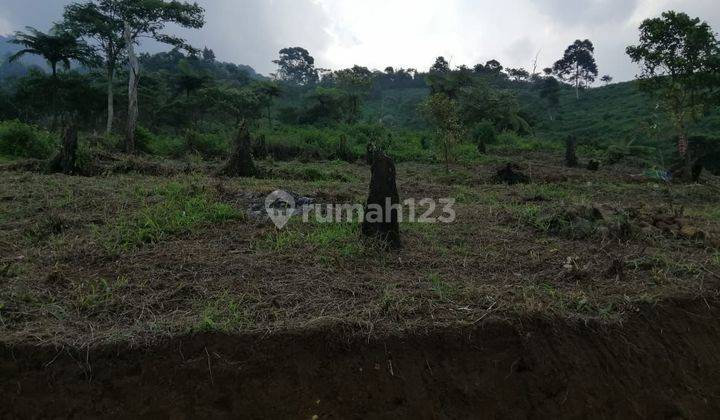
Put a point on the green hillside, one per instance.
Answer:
(616, 114)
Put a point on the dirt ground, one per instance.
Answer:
(661, 363)
(581, 294)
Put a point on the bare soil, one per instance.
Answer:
(661, 363)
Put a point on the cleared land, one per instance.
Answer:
(156, 274)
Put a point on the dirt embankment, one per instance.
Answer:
(662, 363)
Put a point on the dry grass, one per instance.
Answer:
(61, 283)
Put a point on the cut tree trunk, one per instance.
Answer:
(134, 80)
(381, 216)
(571, 160)
(110, 102)
(241, 160)
(66, 161)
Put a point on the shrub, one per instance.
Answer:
(25, 141)
(483, 134)
(208, 145)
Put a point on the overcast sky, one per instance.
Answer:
(408, 33)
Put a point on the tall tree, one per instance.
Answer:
(100, 22)
(208, 55)
(356, 82)
(57, 47)
(578, 65)
(442, 113)
(296, 66)
(680, 63)
(147, 19)
(493, 66)
(441, 66)
(607, 79)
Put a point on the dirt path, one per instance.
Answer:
(662, 363)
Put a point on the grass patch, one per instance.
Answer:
(94, 295)
(442, 289)
(225, 313)
(328, 241)
(180, 208)
(313, 172)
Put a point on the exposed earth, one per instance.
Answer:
(154, 291)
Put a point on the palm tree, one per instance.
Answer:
(57, 47)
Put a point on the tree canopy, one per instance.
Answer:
(578, 65)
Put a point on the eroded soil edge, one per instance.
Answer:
(661, 363)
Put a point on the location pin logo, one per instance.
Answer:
(280, 206)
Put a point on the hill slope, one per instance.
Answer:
(617, 113)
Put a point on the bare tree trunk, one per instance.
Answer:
(241, 162)
(110, 101)
(66, 160)
(683, 144)
(132, 116)
(577, 82)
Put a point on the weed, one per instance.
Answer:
(464, 194)
(225, 313)
(92, 295)
(327, 240)
(443, 290)
(182, 207)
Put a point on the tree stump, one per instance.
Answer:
(241, 161)
(381, 216)
(571, 160)
(66, 161)
(511, 175)
(593, 165)
(370, 151)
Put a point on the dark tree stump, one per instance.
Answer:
(571, 160)
(696, 171)
(511, 175)
(66, 161)
(381, 218)
(593, 165)
(241, 161)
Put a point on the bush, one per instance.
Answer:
(510, 141)
(25, 141)
(483, 134)
(208, 145)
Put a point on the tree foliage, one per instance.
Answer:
(578, 65)
(296, 66)
(57, 47)
(680, 63)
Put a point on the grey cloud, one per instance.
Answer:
(242, 31)
(253, 31)
(581, 12)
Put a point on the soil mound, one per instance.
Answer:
(661, 363)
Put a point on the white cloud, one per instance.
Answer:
(402, 33)
(4, 27)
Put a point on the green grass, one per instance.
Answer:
(312, 172)
(224, 313)
(172, 209)
(328, 241)
(442, 289)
